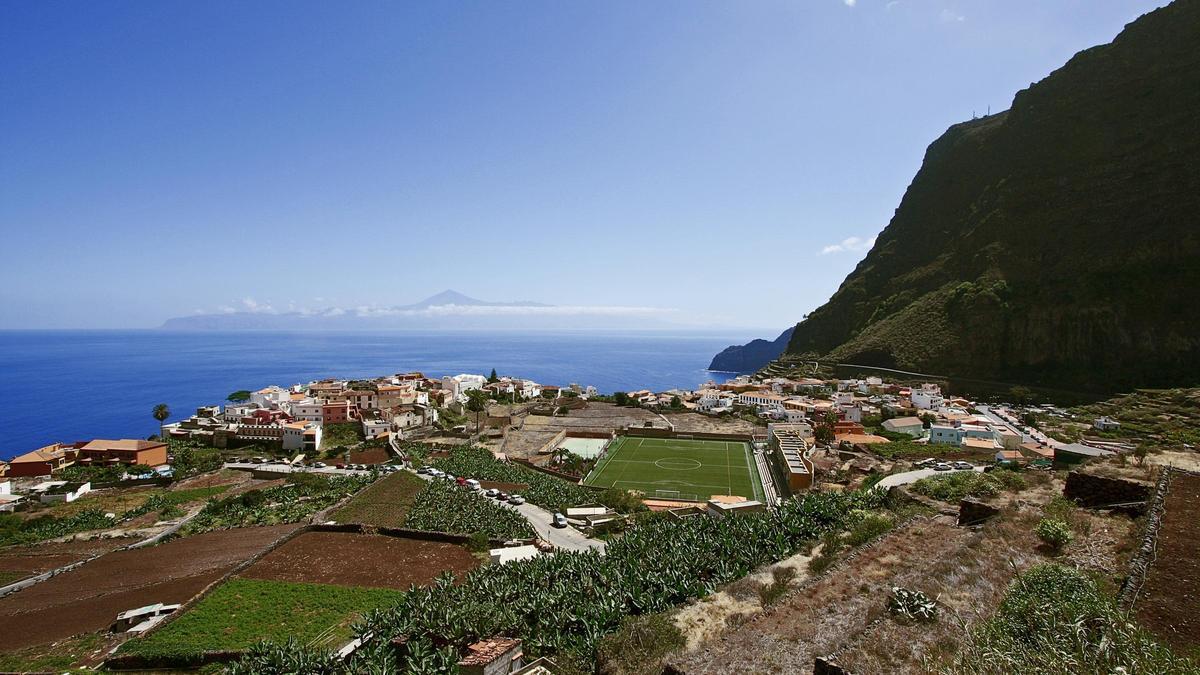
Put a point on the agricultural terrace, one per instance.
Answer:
(241, 612)
(302, 495)
(570, 600)
(444, 507)
(554, 494)
(385, 503)
(678, 467)
(1169, 601)
(87, 598)
(373, 560)
(129, 508)
(404, 500)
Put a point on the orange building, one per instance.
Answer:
(126, 451)
(43, 461)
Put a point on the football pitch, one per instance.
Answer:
(679, 468)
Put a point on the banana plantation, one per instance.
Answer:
(445, 507)
(563, 604)
(544, 490)
(300, 497)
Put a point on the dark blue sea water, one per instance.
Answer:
(76, 385)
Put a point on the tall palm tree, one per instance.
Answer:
(161, 413)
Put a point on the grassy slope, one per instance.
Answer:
(244, 611)
(386, 503)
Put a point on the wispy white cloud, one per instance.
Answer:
(850, 3)
(249, 305)
(849, 244)
(950, 16)
(891, 4)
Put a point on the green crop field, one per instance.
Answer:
(696, 469)
(241, 612)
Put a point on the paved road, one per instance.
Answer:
(566, 538)
(1031, 436)
(913, 476)
(287, 468)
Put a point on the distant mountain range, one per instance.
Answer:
(446, 310)
(1054, 244)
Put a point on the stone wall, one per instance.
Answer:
(1090, 490)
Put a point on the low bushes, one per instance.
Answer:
(952, 487)
(1056, 619)
(544, 490)
(1054, 533)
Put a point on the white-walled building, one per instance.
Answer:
(271, 397)
(928, 397)
(304, 436)
(308, 410)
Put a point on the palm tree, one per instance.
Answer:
(161, 413)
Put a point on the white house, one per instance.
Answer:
(271, 397)
(307, 410)
(374, 427)
(913, 426)
(65, 492)
(459, 385)
(303, 435)
(1106, 423)
(945, 435)
(928, 397)
(8, 501)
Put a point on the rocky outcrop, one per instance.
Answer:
(751, 356)
(1053, 244)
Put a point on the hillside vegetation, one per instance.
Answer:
(1050, 244)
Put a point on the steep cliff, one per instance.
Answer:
(751, 356)
(1054, 244)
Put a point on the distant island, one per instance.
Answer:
(448, 310)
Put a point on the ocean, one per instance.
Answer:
(77, 385)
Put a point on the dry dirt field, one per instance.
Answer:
(88, 598)
(18, 562)
(1169, 602)
(844, 612)
(345, 559)
(596, 416)
(690, 422)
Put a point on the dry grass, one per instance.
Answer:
(706, 618)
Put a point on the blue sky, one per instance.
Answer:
(727, 160)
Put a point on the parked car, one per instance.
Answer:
(425, 471)
(516, 500)
(942, 466)
(472, 484)
(503, 496)
(964, 466)
(491, 492)
(461, 481)
(927, 462)
(559, 520)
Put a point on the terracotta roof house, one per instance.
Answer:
(125, 451)
(493, 656)
(43, 461)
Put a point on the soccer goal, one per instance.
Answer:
(676, 495)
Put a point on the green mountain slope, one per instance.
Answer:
(1054, 244)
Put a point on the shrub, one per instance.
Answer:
(911, 605)
(1056, 619)
(952, 487)
(1054, 532)
(870, 526)
(639, 645)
